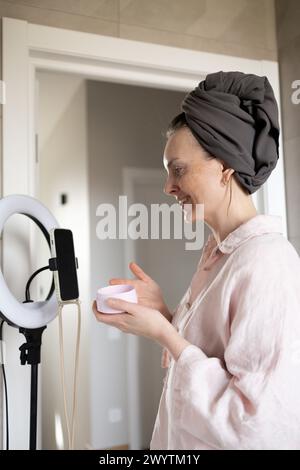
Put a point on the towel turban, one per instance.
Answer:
(234, 116)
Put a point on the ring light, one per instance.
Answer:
(33, 314)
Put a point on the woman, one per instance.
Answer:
(231, 346)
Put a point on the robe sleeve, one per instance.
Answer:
(218, 400)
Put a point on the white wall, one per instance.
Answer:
(63, 168)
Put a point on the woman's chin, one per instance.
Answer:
(190, 213)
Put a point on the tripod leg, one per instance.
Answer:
(33, 406)
(31, 354)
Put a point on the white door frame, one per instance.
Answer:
(27, 48)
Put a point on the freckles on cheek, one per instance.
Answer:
(196, 189)
(195, 182)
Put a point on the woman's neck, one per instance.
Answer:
(222, 224)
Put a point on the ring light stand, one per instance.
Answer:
(32, 317)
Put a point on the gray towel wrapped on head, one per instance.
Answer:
(234, 116)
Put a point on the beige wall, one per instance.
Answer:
(288, 29)
(244, 28)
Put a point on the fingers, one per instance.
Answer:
(110, 319)
(128, 307)
(118, 304)
(138, 272)
(115, 319)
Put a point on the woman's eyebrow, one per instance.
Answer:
(172, 161)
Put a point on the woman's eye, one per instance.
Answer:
(178, 171)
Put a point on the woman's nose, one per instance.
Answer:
(170, 188)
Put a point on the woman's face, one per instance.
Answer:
(192, 179)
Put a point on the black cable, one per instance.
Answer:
(47, 236)
(5, 388)
(27, 289)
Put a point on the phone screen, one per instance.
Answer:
(66, 264)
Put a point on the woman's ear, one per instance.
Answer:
(227, 172)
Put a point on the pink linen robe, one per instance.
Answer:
(237, 386)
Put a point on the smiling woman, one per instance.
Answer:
(196, 177)
(231, 383)
(180, 122)
(179, 166)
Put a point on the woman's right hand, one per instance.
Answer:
(148, 291)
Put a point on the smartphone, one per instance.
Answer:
(65, 272)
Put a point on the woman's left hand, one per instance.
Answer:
(137, 319)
